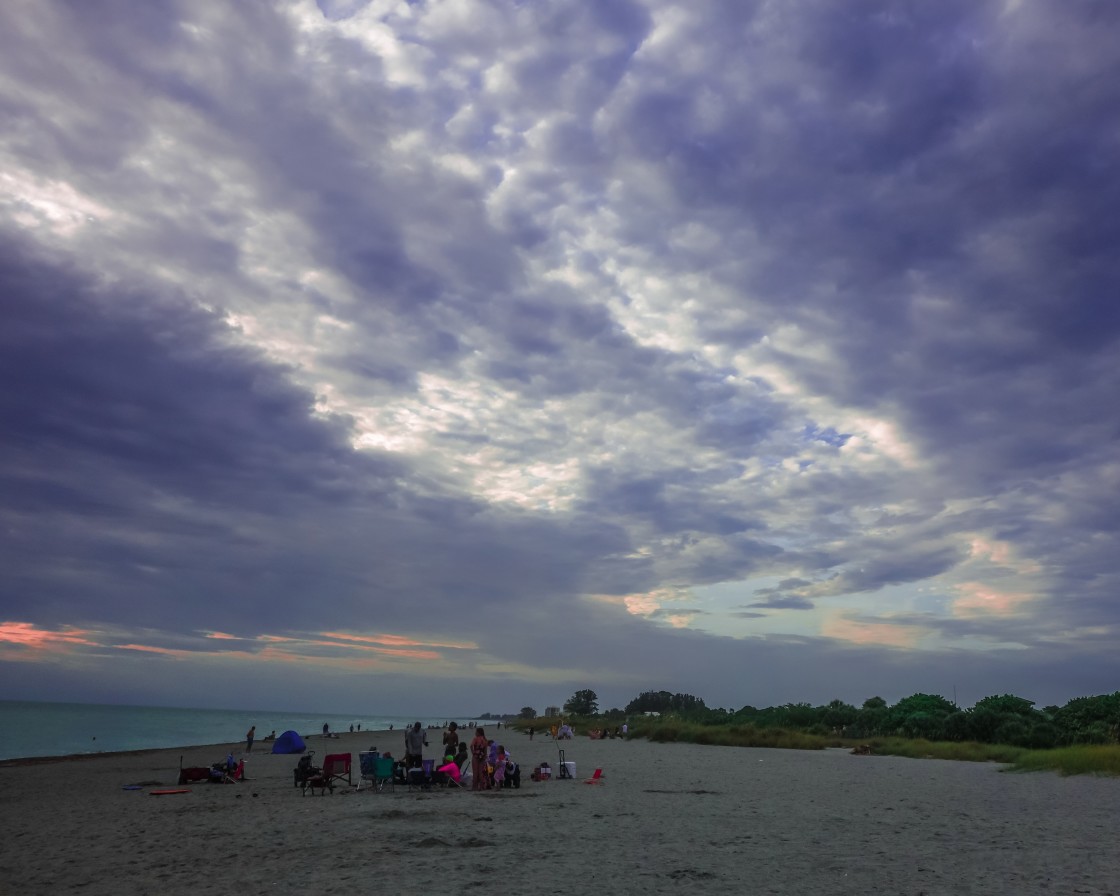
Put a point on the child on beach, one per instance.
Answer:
(499, 768)
(502, 764)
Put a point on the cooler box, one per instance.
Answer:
(570, 769)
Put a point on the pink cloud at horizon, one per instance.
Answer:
(26, 634)
(877, 633)
(978, 599)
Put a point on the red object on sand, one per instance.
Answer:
(165, 792)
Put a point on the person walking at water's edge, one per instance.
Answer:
(250, 736)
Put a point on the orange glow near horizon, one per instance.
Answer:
(27, 641)
(25, 634)
(399, 641)
(884, 634)
(978, 599)
(147, 648)
(383, 651)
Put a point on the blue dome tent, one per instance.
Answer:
(289, 742)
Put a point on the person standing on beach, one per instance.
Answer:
(451, 738)
(414, 742)
(480, 748)
(250, 736)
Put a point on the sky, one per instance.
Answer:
(451, 356)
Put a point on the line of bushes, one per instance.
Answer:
(1081, 737)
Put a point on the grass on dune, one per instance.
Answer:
(1074, 760)
(1084, 759)
(960, 751)
(730, 736)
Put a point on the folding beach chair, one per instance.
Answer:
(450, 782)
(376, 769)
(384, 773)
(596, 778)
(336, 767)
(367, 768)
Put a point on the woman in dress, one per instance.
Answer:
(480, 748)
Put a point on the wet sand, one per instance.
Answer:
(667, 818)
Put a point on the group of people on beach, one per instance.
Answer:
(483, 762)
(492, 766)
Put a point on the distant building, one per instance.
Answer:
(550, 711)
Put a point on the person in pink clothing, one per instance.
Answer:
(450, 769)
(501, 767)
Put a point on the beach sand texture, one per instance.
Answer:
(668, 818)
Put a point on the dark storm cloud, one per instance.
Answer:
(149, 465)
(110, 373)
(131, 426)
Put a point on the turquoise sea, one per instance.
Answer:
(62, 729)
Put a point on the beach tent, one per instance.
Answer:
(289, 742)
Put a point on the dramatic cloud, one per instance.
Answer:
(453, 355)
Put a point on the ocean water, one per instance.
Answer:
(62, 729)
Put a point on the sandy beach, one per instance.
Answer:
(668, 817)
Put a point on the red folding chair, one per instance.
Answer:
(336, 767)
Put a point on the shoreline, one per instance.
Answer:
(35, 729)
(237, 747)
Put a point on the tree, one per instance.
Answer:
(663, 702)
(527, 712)
(1090, 720)
(872, 719)
(920, 715)
(1008, 704)
(582, 703)
(958, 726)
(838, 714)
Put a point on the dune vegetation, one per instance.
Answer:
(1082, 737)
